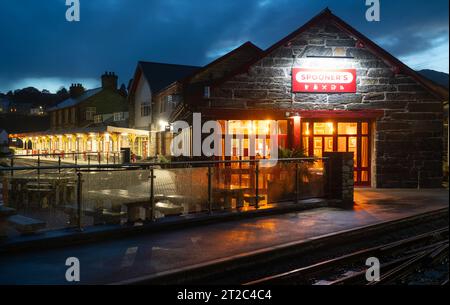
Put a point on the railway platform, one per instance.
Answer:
(119, 260)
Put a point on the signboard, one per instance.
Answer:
(324, 80)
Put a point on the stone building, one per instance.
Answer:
(332, 89)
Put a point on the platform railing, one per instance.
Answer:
(78, 196)
(86, 158)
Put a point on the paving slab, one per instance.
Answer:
(122, 259)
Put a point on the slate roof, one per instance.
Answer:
(160, 75)
(74, 101)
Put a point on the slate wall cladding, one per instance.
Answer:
(409, 137)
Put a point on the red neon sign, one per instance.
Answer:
(324, 81)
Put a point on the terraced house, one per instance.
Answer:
(90, 121)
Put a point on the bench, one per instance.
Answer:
(251, 199)
(44, 192)
(26, 225)
(100, 216)
(169, 209)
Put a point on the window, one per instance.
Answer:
(119, 116)
(90, 112)
(145, 109)
(98, 118)
(207, 92)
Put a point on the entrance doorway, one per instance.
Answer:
(319, 136)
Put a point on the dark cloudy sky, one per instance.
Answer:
(38, 47)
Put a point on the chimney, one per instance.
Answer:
(76, 90)
(109, 81)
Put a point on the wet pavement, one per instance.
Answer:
(117, 260)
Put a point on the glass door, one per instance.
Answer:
(320, 136)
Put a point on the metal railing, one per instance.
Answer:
(75, 158)
(91, 194)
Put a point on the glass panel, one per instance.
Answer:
(342, 144)
(365, 152)
(355, 176)
(353, 147)
(318, 147)
(305, 145)
(347, 128)
(364, 176)
(305, 129)
(365, 128)
(323, 128)
(180, 191)
(328, 144)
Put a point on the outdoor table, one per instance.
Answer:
(228, 192)
(19, 187)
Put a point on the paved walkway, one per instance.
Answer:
(112, 261)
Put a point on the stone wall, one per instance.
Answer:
(409, 136)
(339, 173)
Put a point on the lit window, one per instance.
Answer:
(347, 128)
(323, 128)
(119, 116)
(98, 118)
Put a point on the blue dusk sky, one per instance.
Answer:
(39, 48)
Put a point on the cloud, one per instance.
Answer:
(435, 58)
(38, 43)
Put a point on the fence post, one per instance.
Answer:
(257, 185)
(152, 194)
(39, 165)
(418, 178)
(76, 159)
(79, 190)
(297, 184)
(209, 189)
(89, 161)
(12, 165)
(59, 164)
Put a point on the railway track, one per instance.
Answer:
(400, 259)
(337, 258)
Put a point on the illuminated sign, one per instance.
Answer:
(323, 81)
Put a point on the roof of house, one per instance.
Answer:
(326, 14)
(74, 101)
(160, 75)
(226, 63)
